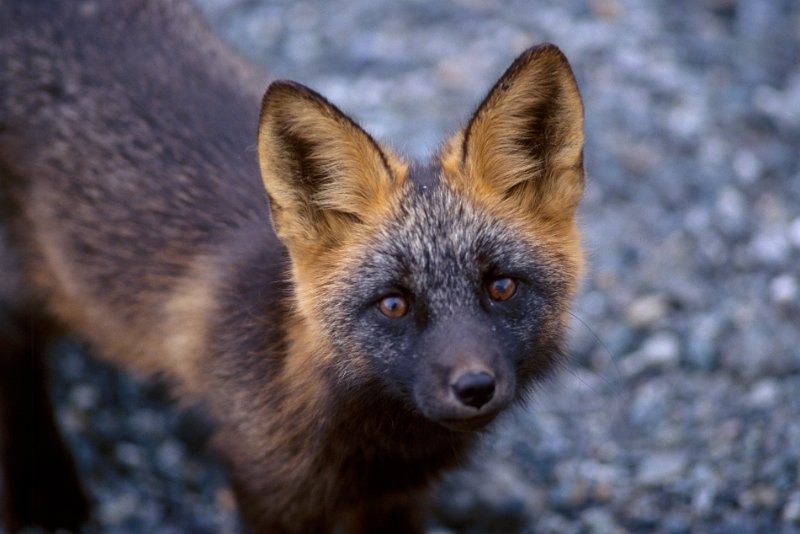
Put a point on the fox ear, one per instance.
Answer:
(524, 144)
(322, 172)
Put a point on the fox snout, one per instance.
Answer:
(474, 388)
(465, 380)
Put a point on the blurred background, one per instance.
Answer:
(680, 411)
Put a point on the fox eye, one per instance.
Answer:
(393, 306)
(501, 289)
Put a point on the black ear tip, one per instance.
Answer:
(291, 92)
(544, 50)
(282, 85)
(277, 90)
(281, 93)
(285, 88)
(546, 47)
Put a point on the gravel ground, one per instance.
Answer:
(681, 409)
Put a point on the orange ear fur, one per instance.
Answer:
(523, 147)
(323, 173)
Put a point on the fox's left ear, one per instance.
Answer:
(523, 147)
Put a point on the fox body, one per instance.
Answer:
(349, 319)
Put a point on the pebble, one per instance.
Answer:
(646, 310)
(650, 403)
(747, 166)
(116, 510)
(760, 496)
(770, 247)
(784, 289)
(660, 351)
(764, 394)
(661, 467)
(84, 397)
(791, 510)
(702, 353)
(600, 521)
(129, 454)
(731, 208)
(703, 500)
(170, 454)
(794, 232)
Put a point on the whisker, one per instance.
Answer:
(602, 344)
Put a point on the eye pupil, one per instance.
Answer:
(501, 289)
(393, 306)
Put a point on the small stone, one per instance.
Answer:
(686, 118)
(783, 289)
(606, 9)
(766, 497)
(599, 521)
(791, 511)
(674, 523)
(146, 422)
(639, 158)
(129, 454)
(118, 509)
(599, 472)
(702, 350)
(701, 354)
(713, 150)
(764, 394)
(169, 455)
(646, 310)
(747, 166)
(758, 497)
(768, 100)
(703, 500)
(72, 421)
(698, 220)
(771, 247)
(732, 209)
(84, 397)
(661, 350)
(794, 232)
(650, 402)
(660, 468)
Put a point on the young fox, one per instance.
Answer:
(350, 320)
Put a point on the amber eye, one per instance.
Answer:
(393, 306)
(501, 289)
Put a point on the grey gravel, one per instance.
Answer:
(680, 411)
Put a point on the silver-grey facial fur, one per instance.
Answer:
(439, 251)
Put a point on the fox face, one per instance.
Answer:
(451, 310)
(445, 285)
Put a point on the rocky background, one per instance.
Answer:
(680, 411)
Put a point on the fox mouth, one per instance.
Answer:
(468, 424)
(463, 412)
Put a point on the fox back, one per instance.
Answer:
(349, 319)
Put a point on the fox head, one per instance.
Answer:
(446, 284)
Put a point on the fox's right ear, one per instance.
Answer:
(323, 173)
(523, 147)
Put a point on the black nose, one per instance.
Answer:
(474, 389)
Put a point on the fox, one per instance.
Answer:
(352, 321)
